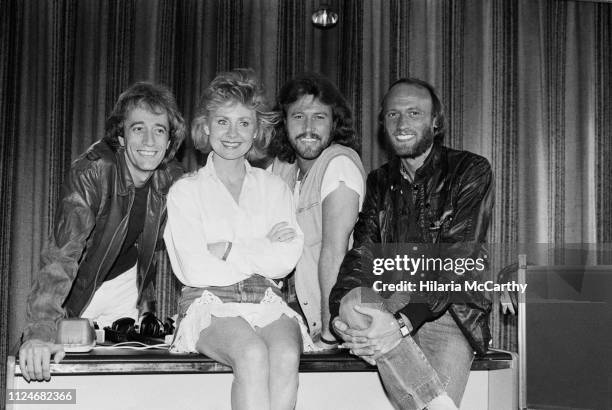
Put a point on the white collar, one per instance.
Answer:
(209, 168)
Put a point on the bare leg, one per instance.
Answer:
(284, 342)
(232, 341)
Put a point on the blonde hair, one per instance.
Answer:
(240, 85)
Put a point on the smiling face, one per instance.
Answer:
(408, 121)
(231, 129)
(145, 139)
(309, 126)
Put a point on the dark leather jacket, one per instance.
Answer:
(453, 198)
(90, 227)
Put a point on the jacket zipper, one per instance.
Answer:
(141, 287)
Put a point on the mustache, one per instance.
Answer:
(309, 134)
(404, 131)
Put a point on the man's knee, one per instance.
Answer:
(358, 296)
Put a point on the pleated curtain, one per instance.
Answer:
(526, 83)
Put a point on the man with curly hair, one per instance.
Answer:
(315, 150)
(98, 261)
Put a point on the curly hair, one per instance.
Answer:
(327, 93)
(240, 85)
(155, 98)
(437, 108)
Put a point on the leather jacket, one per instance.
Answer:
(452, 195)
(90, 227)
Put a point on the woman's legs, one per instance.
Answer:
(284, 342)
(232, 341)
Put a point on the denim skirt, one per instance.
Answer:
(250, 290)
(258, 300)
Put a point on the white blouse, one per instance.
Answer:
(201, 211)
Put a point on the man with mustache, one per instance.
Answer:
(315, 150)
(98, 263)
(422, 341)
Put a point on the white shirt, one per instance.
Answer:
(339, 169)
(342, 169)
(201, 211)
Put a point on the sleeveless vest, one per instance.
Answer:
(309, 217)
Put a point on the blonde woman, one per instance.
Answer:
(231, 235)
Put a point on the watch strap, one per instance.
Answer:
(403, 327)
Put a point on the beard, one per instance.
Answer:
(309, 150)
(416, 148)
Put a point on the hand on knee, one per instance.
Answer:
(358, 296)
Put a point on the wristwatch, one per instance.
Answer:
(403, 328)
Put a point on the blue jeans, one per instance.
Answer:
(437, 360)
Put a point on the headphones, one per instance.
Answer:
(149, 326)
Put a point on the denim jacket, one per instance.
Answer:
(90, 227)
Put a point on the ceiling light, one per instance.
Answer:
(324, 17)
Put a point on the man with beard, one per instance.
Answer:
(423, 342)
(315, 153)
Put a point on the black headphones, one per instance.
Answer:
(150, 326)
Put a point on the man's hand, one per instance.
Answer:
(381, 336)
(35, 357)
(281, 232)
(346, 333)
(341, 329)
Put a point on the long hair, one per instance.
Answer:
(240, 85)
(154, 98)
(437, 108)
(326, 92)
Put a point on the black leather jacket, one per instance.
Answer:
(90, 227)
(453, 198)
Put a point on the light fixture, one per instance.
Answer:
(324, 17)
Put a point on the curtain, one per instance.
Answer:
(526, 83)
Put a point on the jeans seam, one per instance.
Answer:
(428, 388)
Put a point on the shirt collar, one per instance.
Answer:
(209, 168)
(430, 165)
